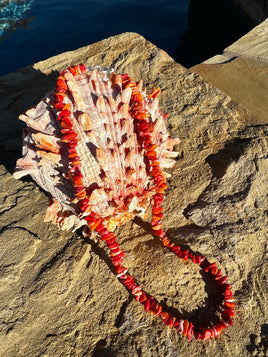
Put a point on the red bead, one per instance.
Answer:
(176, 322)
(219, 328)
(62, 83)
(95, 224)
(199, 259)
(185, 327)
(176, 249)
(82, 68)
(107, 236)
(72, 70)
(197, 335)
(164, 315)
(229, 311)
(59, 106)
(157, 210)
(124, 76)
(67, 120)
(228, 293)
(222, 280)
(90, 217)
(205, 335)
(227, 319)
(213, 332)
(157, 309)
(224, 286)
(58, 97)
(223, 324)
(102, 230)
(61, 90)
(169, 321)
(147, 303)
(112, 245)
(210, 266)
(190, 331)
(115, 252)
(136, 290)
(183, 254)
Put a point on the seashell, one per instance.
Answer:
(110, 151)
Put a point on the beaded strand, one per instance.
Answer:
(140, 114)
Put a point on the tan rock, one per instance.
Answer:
(253, 45)
(245, 80)
(242, 71)
(59, 296)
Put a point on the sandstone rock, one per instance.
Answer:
(59, 296)
(253, 45)
(242, 71)
(245, 80)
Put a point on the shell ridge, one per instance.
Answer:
(42, 117)
(116, 156)
(89, 164)
(119, 134)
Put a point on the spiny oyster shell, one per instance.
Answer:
(116, 172)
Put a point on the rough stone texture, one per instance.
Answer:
(242, 71)
(59, 295)
(245, 80)
(253, 44)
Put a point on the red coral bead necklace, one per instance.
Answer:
(140, 115)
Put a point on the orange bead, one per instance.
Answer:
(229, 304)
(164, 315)
(95, 224)
(142, 297)
(154, 93)
(157, 210)
(157, 227)
(67, 107)
(185, 327)
(166, 243)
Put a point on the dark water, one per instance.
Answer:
(189, 30)
(212, 26)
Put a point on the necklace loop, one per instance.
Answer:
(140, 114)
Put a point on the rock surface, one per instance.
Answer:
(242, 71)
(59, 295)
(253, 44)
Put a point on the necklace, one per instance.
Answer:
(140, 116)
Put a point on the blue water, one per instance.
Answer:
(34, 30)
(56, 26)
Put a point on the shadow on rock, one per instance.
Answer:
(19, 91)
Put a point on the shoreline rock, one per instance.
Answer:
(242, 71)
(59, 295)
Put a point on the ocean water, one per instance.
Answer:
(34, 30)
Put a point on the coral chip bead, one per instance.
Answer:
(185, 327)
(197, 335)
(95, 224)
(164, 315)
(190, 331)
(169, 321)
(205, 335)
